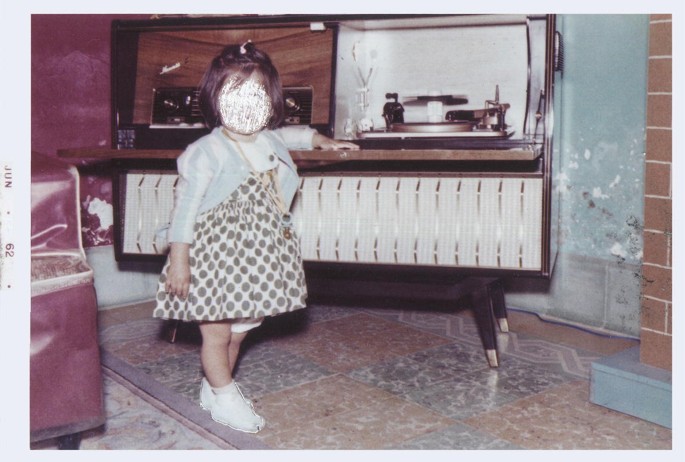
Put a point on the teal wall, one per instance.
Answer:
(603, 109)
(600, 127)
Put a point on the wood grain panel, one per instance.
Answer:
(302, 57)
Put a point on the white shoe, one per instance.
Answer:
(207, 396)
(231, 408)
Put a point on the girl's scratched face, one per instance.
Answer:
(244, 108)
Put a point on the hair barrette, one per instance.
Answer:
(243, 47)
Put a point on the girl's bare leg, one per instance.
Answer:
(219, 394)
(214, 353)
(234, 349)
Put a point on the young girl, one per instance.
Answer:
(234, 257)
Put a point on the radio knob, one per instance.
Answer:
(170, 103)
(291, 104)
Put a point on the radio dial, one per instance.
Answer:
(291, 104)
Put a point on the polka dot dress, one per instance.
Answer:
(241, 266)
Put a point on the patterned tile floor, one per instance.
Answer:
(373, 378)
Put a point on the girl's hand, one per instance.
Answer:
(323, 142)
(178, 275)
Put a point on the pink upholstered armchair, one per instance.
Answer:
(66, 376)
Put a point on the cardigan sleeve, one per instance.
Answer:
(296, 137)
(196, 168)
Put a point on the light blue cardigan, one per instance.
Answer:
(210, 169)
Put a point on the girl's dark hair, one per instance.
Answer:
(241, 62)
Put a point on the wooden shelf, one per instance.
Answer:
(327, 156)
(107, 153)
(416, 155)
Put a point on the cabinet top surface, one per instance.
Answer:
(325, 156)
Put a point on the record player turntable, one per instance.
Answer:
(486, 122)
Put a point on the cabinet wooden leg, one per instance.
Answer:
(485, 318)
(493, 361)
(171, 330)
(498, 306)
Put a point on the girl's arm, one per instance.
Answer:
(178, 275)
(323, 142)
(296, 137)
(196, 170)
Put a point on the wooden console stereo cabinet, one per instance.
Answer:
(457, 190)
